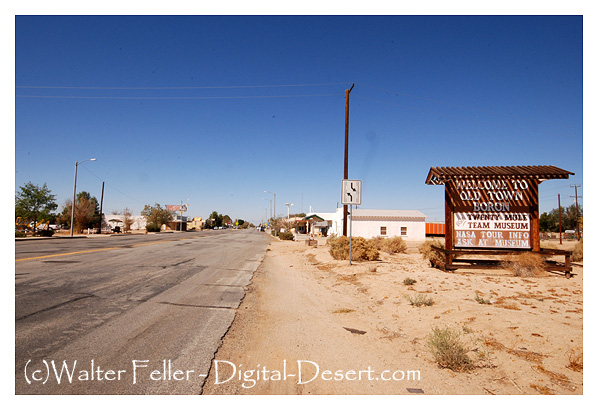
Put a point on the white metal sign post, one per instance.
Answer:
(351, 194)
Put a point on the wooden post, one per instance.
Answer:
(345, 168)
(534, 217)
(448, 224)
(559, 212)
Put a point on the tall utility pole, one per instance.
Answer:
(345, 175)
(101, 203)
(576, 197)
(559, 212)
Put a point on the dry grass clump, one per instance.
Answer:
(390, 245)
(343, 311)
(574, 360)
(395, 245)
(577, 252)
(378, 242)
(419, 300)
(429, 254)
(480, 299)
(525, 265)
(448, 350)
(409, 281)
(362, 250)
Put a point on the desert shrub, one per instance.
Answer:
(287, 235)
(577, 252)
(525, 265)
(395, 245)
(338, 247)
(152, 228)
(378, 242)
(409, 281)
(45, 233)
(480, 299)
(448, 350)
(389, 245)
(432, 255)
(575, 360)
(331, 239)
(362, 250)
(419, 300)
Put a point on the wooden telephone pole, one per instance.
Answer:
(559, 212)
(345, 175)
(577, 218)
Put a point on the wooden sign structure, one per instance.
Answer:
(492, 210)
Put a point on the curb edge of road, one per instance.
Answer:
(88, 236)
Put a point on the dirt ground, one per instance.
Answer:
(312, 325)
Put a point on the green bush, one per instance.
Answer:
(45, 233)
(152, 228)
(20, 234)
(287, 235)
(362, 250)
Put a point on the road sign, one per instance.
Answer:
(351, 192)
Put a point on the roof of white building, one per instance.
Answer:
(388, 213)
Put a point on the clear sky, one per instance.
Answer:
(214, 110)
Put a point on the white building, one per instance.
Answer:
(408, 224)
(116, 220)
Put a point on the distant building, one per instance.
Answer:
(196, 223)
(408, 224)
(111, 221)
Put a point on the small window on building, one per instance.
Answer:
(383, 230)
(404, 230)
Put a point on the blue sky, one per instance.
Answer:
(213, 110)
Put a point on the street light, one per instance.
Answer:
(265, 199)
(275, 210)
(288, 222)
(74, 191)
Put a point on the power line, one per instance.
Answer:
(179, 88)
(109, 185)
(178, 98)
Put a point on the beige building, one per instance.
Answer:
(197, 223)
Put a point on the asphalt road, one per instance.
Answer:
(138, 314)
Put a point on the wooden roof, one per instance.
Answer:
(439, 175)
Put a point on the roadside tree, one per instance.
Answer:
(214, 220)
(87, 212)
(156, 216)
(34, 203)
(127, 220)
(549, 221)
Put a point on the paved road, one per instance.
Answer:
(139, 314)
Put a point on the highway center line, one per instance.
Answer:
(90, 251)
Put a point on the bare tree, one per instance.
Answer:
(127, 220)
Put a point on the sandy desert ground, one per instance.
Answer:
(352, 329)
